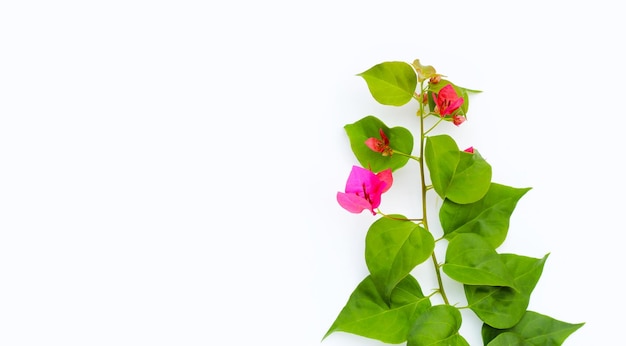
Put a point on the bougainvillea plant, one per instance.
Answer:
(389, 304)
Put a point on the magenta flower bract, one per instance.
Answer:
(364, 190)
(447, 101)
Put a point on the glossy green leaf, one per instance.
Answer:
(502, 307)
(442, 156)
(439, 325)
(472, 261)
(393, 248)
(509, 339)
(368, 315)
(488, 217)
(536, 329)
(471, 180)
(400, 139)
(457, 175)
(391, 83)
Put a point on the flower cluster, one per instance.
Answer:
(474, 213)
(447, 104)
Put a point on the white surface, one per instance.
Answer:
(168, 170)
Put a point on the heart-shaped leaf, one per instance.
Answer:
(503, 307)
(536, 329)
(442, 156)
(391, 83)
(472, 261)
(393, 248)
(400, 139)
(471, 180)
(488, 217)
(368, 315)
(439, 325)
(457, 175)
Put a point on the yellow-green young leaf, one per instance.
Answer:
(439, 325)
(393, 248)
(536, 329)
(400, 139)
(502, 307)
(488, 217)
(424, 72)
(472, 261)
(368, 315)
(391, 83)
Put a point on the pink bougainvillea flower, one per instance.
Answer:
(447, 101)
(364, 190)
(469, 150)
(380, 145)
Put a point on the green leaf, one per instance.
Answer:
(442, 156)
(503, 307)
(488, 217)
(439, 325)
(457, 175)
(393, 247)
(368, 315)
(536, 329)
(436, 87)
(400, 139)
(509, 339)
(471, 180)
(472, 261)
(391, 83)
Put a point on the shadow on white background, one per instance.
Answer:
(168, 171)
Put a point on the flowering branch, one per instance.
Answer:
(388, 305)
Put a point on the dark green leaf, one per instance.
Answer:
(502, 307)
(400, 139)
(472, 261)
(391, 83)
(536, 329)
(488, 217)
(368, 315)
(393, 247)
(439, 325)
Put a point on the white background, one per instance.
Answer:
(168, 169)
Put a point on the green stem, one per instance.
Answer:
(407, 155)
(424, 189)
(430, 129)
